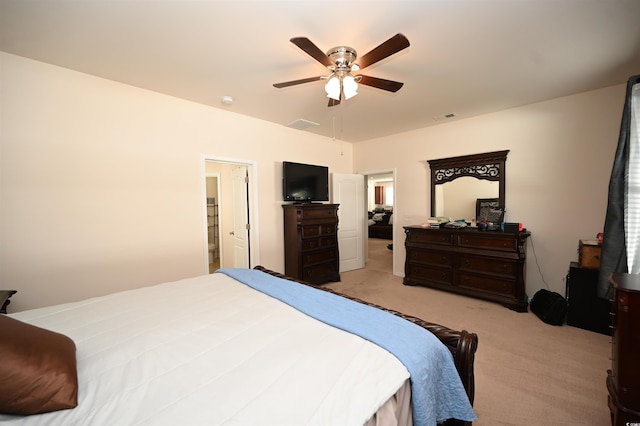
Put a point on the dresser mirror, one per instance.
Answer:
(457, 183)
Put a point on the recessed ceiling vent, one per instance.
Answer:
(445, 117)
(301, 124)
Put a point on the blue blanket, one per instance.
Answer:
(436, 390)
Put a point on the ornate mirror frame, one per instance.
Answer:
(487, 166)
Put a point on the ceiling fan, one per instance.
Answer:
(341, 61)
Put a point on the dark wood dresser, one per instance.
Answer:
(623, 380)
(484, 264)
(311, 242)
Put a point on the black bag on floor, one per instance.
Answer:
(549, 306)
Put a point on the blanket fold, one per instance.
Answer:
(436, 389)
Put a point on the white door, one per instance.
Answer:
(240, 217)
(348, 191)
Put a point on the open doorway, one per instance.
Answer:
(380, 204)
(213, 220)
(230, 231)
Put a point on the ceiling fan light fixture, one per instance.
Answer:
(340, 61)
(349, 86)
(333, 88)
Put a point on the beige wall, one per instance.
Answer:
(557, 172)
(102, 184)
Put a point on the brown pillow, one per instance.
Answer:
(37, 369)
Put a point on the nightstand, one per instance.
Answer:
(5, 295)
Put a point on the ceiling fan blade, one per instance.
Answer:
(380, 83)
(294, 82)
(312, 50)
(388, 48)
(333, 102)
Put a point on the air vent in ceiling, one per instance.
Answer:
(445, 117)
(301, 124)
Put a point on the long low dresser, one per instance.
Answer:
(484, 264)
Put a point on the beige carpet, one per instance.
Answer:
(527, 372)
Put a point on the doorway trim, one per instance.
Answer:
(252, 202)
(393, 171)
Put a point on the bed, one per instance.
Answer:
(238, 347)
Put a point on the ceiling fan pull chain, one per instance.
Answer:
(334, 127)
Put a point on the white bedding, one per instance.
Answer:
(155, 356)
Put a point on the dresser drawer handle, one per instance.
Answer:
(467, 263)
(443, 260)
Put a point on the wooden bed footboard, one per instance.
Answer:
(462, 344)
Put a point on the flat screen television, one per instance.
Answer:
(304, 183)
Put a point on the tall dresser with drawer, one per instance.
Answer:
(623, 380)
(484, 264)
(311, 242)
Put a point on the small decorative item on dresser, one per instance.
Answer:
(589, 252)
(5, 295)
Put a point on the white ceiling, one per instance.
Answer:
(467, 57)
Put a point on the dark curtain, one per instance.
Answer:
(614, 253)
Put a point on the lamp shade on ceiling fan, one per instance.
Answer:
(333, 88)
(340, 61)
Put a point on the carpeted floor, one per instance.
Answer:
(527, 372)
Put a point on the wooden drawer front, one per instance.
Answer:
(425, 273)
(317, 230)
(328, 229)
(492, 266)
(429, 257)
(321, 272)
(429, 236)
(320, 213)
(486, 242)
(486, 284)
(316, 243)
(319, 256)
